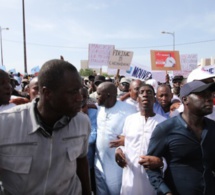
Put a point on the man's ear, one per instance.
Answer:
(47, 93)
(184, 99)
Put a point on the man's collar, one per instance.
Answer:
(36, 124)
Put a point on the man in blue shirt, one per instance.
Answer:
(92, 114)
(163, 100)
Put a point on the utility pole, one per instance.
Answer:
(2, 62)
(24, 37)
(173, 36)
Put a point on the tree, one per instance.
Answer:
(86, 72)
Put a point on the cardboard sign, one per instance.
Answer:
(98, 55)
(188, 62)
(165, 60)
(120, 59)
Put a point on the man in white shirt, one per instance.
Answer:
(137, 130)
(110, 121)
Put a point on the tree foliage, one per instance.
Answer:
(86, 72)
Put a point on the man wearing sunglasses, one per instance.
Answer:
(123, 86)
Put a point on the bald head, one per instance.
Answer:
(108, 87)
(33, 88)
(33, 81)
(134, 88)
(106, 94)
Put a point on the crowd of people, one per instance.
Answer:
(63, 134)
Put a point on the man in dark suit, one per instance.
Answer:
(187, 143)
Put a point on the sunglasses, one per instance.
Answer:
(125, 84)
(177, 81)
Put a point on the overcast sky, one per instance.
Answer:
(67, 27)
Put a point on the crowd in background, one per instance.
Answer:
(144, 137)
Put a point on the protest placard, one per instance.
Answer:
(188, 61)
(98, 55)
(138, 72)
(165, 60)
(120, 59)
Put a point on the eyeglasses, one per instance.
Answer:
(125, 84)
(177, 81)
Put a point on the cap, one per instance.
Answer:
(199, 74)
(178, 77)
(153, 83)
(194, 87)
(99, 79)
(91, 78)
(125, 80)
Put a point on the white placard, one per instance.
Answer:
(188, 62)
(138, 72)
(98, 55)
(120, 59)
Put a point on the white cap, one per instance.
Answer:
(125, 80)
(153, 83)
(199, 74)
